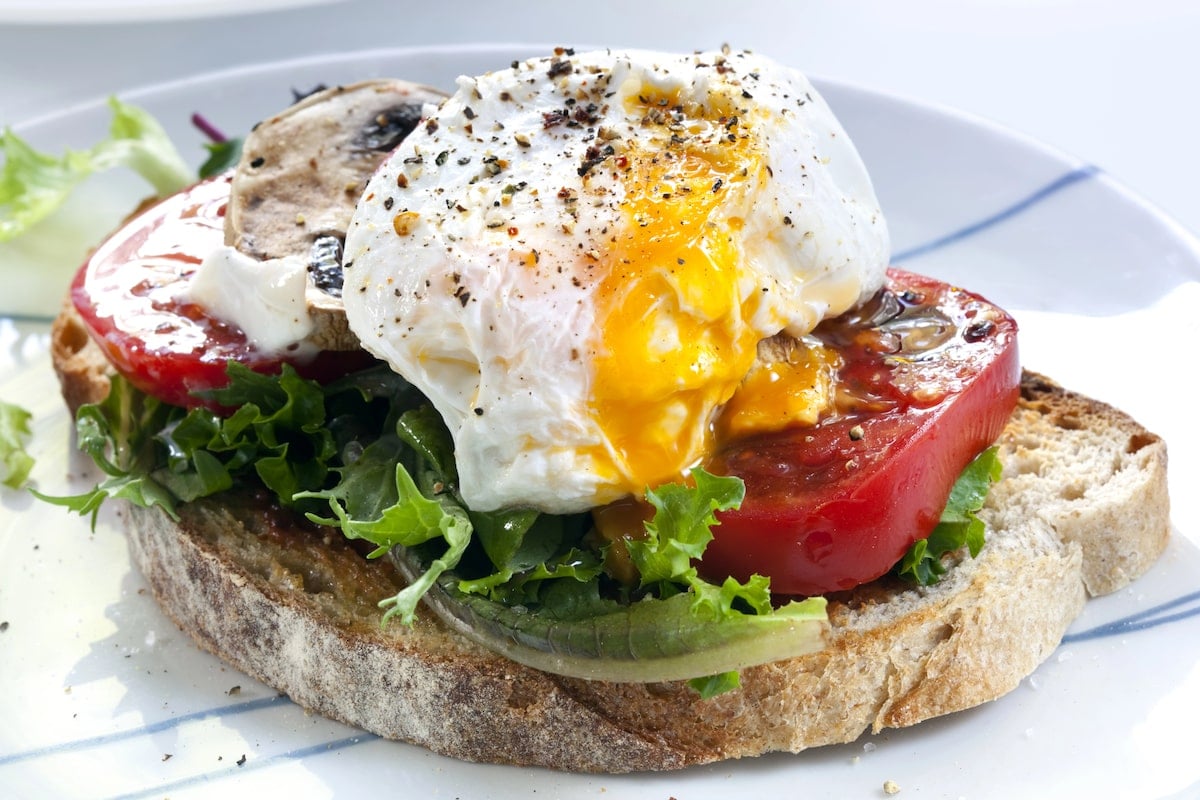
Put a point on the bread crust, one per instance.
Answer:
(1082, 508)
(79, 363)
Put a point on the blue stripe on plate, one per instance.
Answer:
(154, 727)
(216, 775)
(1142, 620)
(1003, 215)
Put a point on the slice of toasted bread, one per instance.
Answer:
(1082, 508)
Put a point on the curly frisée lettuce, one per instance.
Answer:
(34, 184)
(532, 591)
(155, 454)
(368, 455)
(116, 434)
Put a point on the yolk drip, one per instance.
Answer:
(794, 390)
(674, 340)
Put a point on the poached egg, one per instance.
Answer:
(576, 258)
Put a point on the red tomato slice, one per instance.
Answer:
(927, 384)
(127, 294)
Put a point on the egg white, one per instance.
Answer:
(480, 261)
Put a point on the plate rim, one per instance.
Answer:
(1187, 238)
(1009, 135)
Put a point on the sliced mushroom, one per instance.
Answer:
(301, 174)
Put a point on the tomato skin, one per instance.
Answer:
(126, 293)
(831, 507)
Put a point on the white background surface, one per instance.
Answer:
(1112, 86)
(1111, 81)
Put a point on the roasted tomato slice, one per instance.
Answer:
(929, 377)
(128, 296)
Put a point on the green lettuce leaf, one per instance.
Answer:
(677, 536)
(118, 434)
(278, 430)
(377, 500)
(958, 527)
(514, 540)
(33, 184)
(563, 584)
(714, 685)
(282, 436)
(15, 462)
(675, 624)
(222, 156)
(402, 491)
(681, 527)
(575, 629)
(368, 455)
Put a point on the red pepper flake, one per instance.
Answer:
(513, 231)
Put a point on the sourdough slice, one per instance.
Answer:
(1082, 508)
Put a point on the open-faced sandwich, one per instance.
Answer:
(575, 419)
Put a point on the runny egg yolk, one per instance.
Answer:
(592, 246)
(672, 305)
(794, 389)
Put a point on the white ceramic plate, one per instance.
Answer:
(101, 696)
